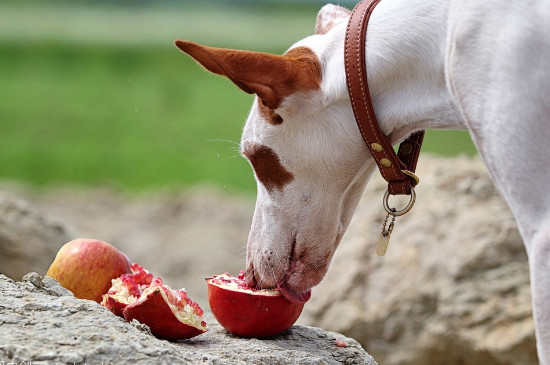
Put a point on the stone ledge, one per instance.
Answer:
(42, 323)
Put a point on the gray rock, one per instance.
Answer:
(42, 323)
(28, 240)
(453, 287)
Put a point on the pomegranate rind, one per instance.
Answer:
(154, 311)
(251, 314)
(126, 289)
(170, 313)
(113, 304)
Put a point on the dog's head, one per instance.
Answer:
(310, 162)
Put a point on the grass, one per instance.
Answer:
(128, 116)
(97, 96)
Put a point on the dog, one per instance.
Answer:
(481, 66)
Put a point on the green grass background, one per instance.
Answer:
(98, 94)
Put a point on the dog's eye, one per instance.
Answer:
(269, 114)
(277, 119)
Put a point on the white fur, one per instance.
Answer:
(483, 66)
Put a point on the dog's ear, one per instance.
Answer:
(329, 16)
(271, 77)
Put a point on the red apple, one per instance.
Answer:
(87, 266)
(249, 312)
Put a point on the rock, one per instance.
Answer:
(453, 287)
(28, 240)
(42, 322)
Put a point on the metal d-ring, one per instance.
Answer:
(411, 174)
(393, 211)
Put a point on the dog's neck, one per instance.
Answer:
(406, 54)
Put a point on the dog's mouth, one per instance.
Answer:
(289, 293)
(293, 296)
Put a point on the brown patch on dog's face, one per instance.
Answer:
(267, 166)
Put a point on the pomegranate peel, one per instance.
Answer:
(126, 289)
(250, 312)
(169, 313)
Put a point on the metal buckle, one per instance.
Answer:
(411, 175)
(394, 212)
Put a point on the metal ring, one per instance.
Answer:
(393, 211)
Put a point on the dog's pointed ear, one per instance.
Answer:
(329, 16)
(271, 77)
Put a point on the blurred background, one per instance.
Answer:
(108, 131)
(96, 93)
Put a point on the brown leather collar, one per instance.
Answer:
(397, 169)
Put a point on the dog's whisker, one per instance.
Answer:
(222, 140)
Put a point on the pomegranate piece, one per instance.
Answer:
(126, 289)
(249, 312)
(340, 343)
(169, 313)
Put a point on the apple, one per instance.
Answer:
(249, 312)
(87, 266)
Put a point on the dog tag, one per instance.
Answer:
(382, 244)
(384, 239)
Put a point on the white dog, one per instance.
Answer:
(483, 66)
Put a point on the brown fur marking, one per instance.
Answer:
(309, 78)
(267, 166)
(271, 77)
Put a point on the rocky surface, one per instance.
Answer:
(42, 323)
(453, 287)
(28, 239)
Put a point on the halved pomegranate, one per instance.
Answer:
(169, 313)
(249, 312)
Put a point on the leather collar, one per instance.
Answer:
(396, 168)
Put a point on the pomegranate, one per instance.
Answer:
(340, 343)
(249, 312)
(126, 289)
(87, 266)
(169, 313)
